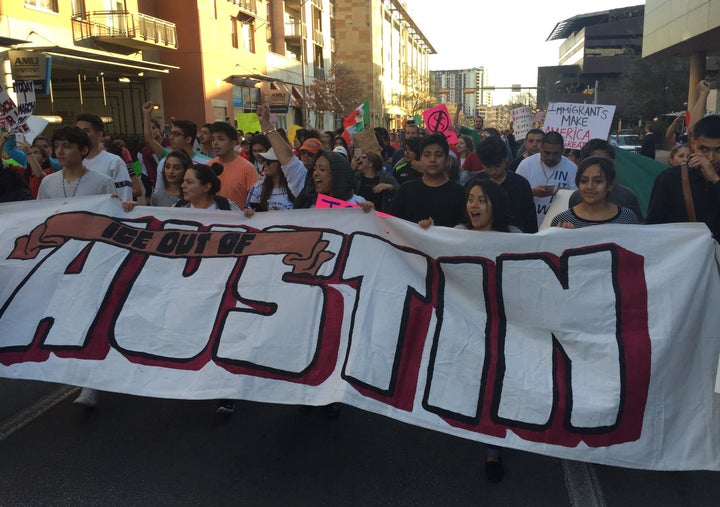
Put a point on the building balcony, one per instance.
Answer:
(124, 31)
(318, 38)
(332, 44)
(248, 6)
(295, 30)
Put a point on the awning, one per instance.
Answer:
(249, 80)
(9, 41)
(73, 55)
(297, 97)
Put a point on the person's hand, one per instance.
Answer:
(24, 146)
(248, 212)
(543, 191)
(367, 206)
(565, 225)
(147, 107)
(263, 113)
(427, 223)
(703, 87)
(128, 206)
(381, 187)
(704, 166)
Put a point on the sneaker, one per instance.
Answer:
(225, 407)
(494, 470)
(87, 398)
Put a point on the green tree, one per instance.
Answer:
(653, 88)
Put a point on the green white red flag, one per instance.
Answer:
(356, 121)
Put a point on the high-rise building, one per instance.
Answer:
(468, 87)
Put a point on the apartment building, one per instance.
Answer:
(210, 60)
(379, 40)
(103, 55)
(468, 87)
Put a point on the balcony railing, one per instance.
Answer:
(294, 29)
(249, 6)
(318, 38)
(124, 28)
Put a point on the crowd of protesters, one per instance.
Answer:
(485, 181)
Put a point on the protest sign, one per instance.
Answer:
(522, 121)
(248, 122)
(366, 141)
(25, 91)
(326, 201)
(442, 328)
(292, 132)
(35, 126)
(437, 120)
(13, 117)
(578, 123)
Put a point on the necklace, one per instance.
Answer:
(547, 176)
(77, 183)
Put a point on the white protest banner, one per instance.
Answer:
(522, 121)
(578, 123)
(566, 342)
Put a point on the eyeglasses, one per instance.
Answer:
(175, 133)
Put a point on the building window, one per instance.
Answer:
(248, 36)
(234, 32)
(46, 5)
(243, 32)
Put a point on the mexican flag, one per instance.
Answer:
(356, 121)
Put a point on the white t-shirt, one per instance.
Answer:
(295, 173)
(53, 186)
(116, 168)
(537, 173)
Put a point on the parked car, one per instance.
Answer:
(629, 142)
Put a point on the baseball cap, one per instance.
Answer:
(269, 155)
(312, 145)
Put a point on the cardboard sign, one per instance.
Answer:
(437, 119)
(366, 141)
(578, 123)
(522, 121)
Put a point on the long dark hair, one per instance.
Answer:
(498, 200)
(267, 188)
(183, 157)
(209, 174)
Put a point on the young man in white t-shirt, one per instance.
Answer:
(100, 160)
(74, 180)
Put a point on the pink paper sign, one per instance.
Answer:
(438, 120)
(326, 201)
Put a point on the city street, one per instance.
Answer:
(143, 451)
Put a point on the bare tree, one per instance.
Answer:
(339, 93)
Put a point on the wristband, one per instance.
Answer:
(267, 133)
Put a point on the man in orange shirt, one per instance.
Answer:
(239, 175)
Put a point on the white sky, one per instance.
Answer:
(507, 37)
